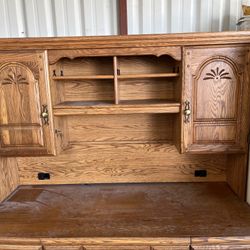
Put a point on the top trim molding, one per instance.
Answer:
(91, 42)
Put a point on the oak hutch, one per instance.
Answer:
(125, 142)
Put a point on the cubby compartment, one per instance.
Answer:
(147, 65)
(89, 67)
(148, 79)
(147, 90)
(84, 92)
(83, 81)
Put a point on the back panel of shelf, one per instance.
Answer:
(147, 78)
(84, 66)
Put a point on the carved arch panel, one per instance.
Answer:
(216, 87)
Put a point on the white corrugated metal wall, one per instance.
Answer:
(32, 18)
(171, 16)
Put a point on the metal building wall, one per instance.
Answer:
(171, 16)
(35, 18)
(32, 18)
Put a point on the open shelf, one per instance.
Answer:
(125, 210)
(83, 67)
(83, 77)
(122, 80)
(125, 107)
(159, 75)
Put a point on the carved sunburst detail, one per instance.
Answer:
(14, 78)
(217, 75)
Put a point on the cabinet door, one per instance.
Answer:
(25, 107)
(214, 83)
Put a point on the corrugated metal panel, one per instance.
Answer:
(172, 16)
(21, 18)
(35, 18)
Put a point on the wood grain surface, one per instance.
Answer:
(134, 41)
(9, 176)
(121, 162)
(214, 85)
(125, 210)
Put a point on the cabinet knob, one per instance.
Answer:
(45, 115)
(187, 111)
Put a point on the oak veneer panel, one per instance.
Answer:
(238, 165)
(108, 241)
(24, 91)
(84, 66)
(126, 210)
(222, 247)
(208, 133)
(236, 174)
(214, 86)
(147, 88)
(120, 162)
(134, 42)
(231, 240)
(63, 248)
(87, 90)
(131, 65)
(117, 247)
(19, 247)
(125, 107)
(170, 247)
(9, 178)
(56, 55)
(119, 128)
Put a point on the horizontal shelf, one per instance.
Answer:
(132, 76)
(125, 107)
(157, 75)
(82, 77)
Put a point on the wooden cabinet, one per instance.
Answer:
(26, 126)
(214, 84)
(124, 113)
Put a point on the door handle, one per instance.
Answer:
(187, 112)
(45, 115)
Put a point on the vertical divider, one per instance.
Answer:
(116, 87)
